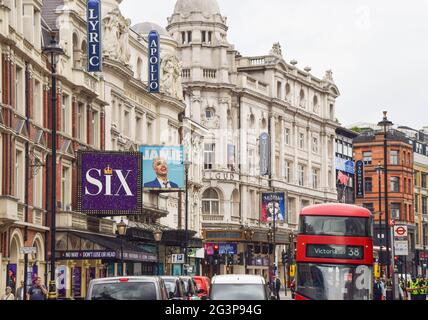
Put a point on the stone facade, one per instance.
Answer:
(237, 98)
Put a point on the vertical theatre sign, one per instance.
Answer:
(360, 179)
(94, 35)
(154, 62)
(109, 183)
(264, 154)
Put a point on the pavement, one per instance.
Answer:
(285, 296)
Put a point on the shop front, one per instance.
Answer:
(168, 243)
(82, 257)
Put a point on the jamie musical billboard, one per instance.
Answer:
(163, 168)
(109, 183)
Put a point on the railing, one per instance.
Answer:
(257, 61)
(210, 73)
(185, 73)
(79, 221)
(208, 217)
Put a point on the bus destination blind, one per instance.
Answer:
(322, 251)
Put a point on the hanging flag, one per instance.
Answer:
(343, 178)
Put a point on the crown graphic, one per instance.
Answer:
(108, 171)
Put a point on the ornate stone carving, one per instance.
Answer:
(276, 50)
(328, 76)
(171, 77)
(116, 36)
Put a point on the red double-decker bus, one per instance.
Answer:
(334, 253)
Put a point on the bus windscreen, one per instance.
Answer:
(335, 226)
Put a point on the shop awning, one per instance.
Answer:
(170, 237)
(112, 249)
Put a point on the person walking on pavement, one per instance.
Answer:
(414, 290)
(277, 288)
(378, 290)
(8, 295)
(20, 292)
(37, 291)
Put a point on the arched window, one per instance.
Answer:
(76, 52)
(287, 91)
(315, 104)
(139, 68)
(209, 113)
(252, 121)
(210, 202)
(302, 98)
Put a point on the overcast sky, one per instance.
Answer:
(378, 49)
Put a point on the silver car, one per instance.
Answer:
(127, 288)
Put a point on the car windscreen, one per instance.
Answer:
(124, 291)
(238, 292)
(170, 285)
(335, 226)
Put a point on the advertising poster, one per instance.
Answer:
(109, 183)
(90, 275)
(11, 277)
(61, 281)
(273, 205)
(228, 248)
(77, 282)
(163, 168)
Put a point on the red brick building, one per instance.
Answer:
(369, 147)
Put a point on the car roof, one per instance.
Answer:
(244, 278)
(134, 278)
(169, 278)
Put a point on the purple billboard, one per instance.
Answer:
(109, 183)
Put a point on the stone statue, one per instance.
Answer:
(177, 81)
(276, 50)
(328, 76)
(124, 53)
(171, 77)
(111, 34)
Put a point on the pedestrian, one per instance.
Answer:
(20, 292)
(8, 294)
(277, 288)
(378, 290)
(424, 289)
(37, 291)
(414, 290)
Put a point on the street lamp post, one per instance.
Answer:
(379, 170)
(158, 238)
(121, 230)
(54, 52)
(186, 236)
(385, 124)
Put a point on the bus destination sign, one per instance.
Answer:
(322, 251)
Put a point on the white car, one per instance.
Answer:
(127, 288)
(239, 287)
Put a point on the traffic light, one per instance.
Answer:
(240, 259)
(284, 257)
